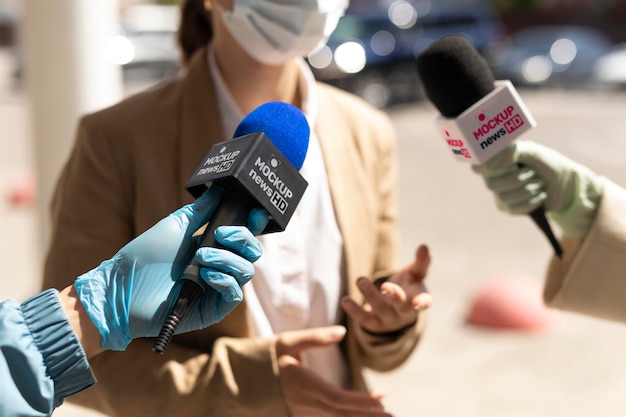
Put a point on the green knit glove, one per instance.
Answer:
(527, 175)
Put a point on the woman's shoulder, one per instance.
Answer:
(146, 118)
(352, 109)
(345, 98)
(147, 106)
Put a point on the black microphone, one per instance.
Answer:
(480, 116)
(257, 168)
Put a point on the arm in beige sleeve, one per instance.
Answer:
(237, 379)
(591, 278)
(387, 353)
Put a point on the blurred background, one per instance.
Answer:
(567, 58)
(569, 43)
(572, 43)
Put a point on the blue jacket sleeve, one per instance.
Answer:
(41, 359)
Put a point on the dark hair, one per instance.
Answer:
(195, 29)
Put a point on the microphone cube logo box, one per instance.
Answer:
(253, 165)
(487, 127)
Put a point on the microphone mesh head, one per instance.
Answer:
(454, 75)
(284, 124)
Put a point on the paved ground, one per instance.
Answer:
(576, 368)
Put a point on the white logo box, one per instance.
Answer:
(487, 127)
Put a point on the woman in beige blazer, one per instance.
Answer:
(128, 169)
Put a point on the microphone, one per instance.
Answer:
(480, 116)
(257, 168)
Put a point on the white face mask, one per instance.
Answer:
(275, 31)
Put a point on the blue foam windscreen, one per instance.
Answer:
(284, 124)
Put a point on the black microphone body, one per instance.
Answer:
(253, 172)
(459, 82)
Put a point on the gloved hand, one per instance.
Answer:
(527, 175)
(126, 296)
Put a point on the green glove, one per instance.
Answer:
(527, 175)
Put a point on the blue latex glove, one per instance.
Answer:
(127, 296)
(527, 175)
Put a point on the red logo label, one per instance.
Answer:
(515, 123)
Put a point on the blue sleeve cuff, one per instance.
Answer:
(65, 359)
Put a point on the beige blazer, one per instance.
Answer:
(127, 170)
(591, 279)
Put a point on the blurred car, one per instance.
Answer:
(555, 55)
(610, 69)
(145, 42)
(373, 49)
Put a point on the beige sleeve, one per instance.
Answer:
(591, 278)
(385, 354)
(237, 380)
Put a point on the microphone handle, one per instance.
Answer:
(233, 210)
(539, 217)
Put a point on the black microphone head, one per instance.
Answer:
(454, 75)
